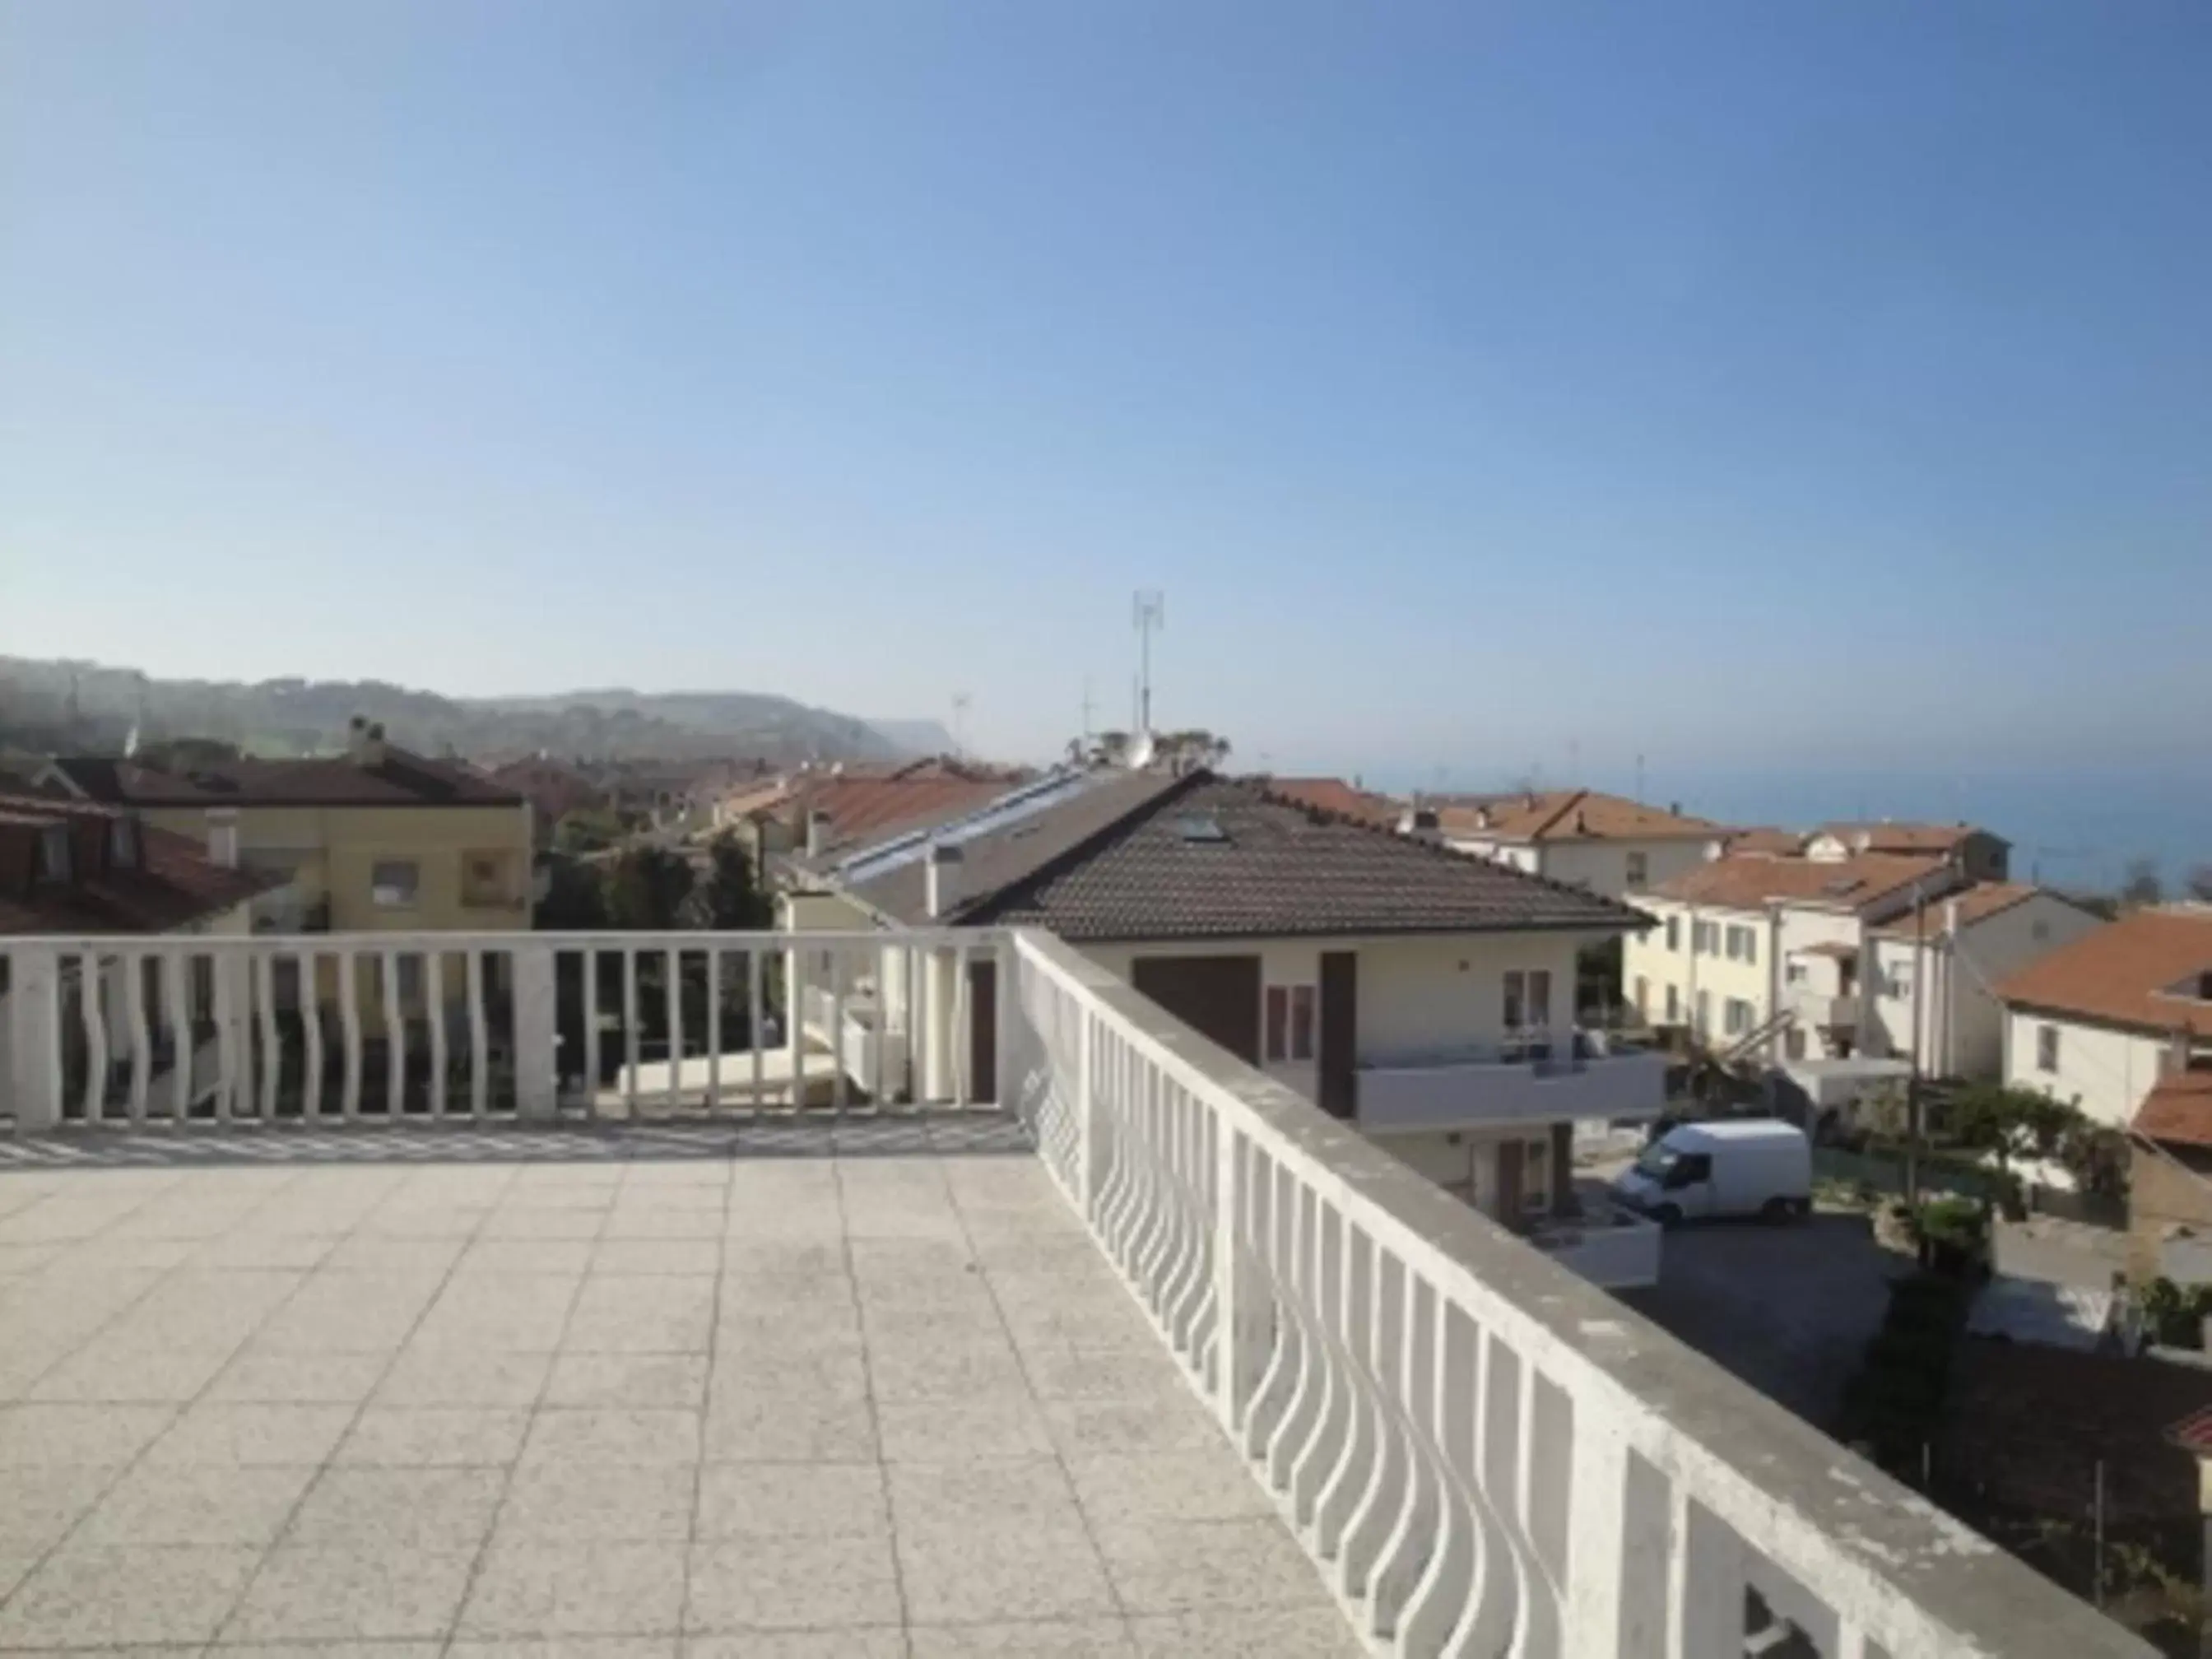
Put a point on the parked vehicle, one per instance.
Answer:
(1741, 1166)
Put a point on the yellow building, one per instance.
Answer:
(377, 840)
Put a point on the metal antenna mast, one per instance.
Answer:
(1150, 612)
(960, 700)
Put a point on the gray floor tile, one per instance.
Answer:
(700, 1257)
(1008, 1571)
(44, 1436)
(447, 1509)
(787, 1426)
(641, 1314)
(1088, 1428)
(434, 1437)
(575, 1500)
(946, 1430)
(134, 1371)
(955, 1369)
(644, 1381)
(1088, 1639)
(603, 1435)
(38, 1505)
(85, 1597)
(223, 1435)
(989, 1492)
(559, 1257)
(791, 1500)
(351, 1592)
(432, 1373)
(792, 1583)
(1124, 1489)
(1319, 1632)
(541, 1587)
(256, 1373)
(1167, 1567)
(566, 1647)
(162, 1504)
(877, 1642)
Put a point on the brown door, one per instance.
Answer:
(1216, 996)
(982, 1030)
(1510, 1185)
(1339, 1033)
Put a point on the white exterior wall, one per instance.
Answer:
(1962, 1025)
(2104, 1070)
(1601, 866)
(1416, 995)
(1690, 971)
(1515, 855)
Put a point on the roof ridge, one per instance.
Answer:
(1574, 797)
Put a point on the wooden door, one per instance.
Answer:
(1338, 1091)
(1216, 996)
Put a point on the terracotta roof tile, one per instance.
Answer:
(2126, 974)
(174, 887)
(1573, 815)
(866, 809)
(401, 779)
(2179, 1109)
(1882, 836)
(1335, 795)
(1869, 884)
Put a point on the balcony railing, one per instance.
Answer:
(1537, 1078)
(1482, 1454)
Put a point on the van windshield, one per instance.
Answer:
(1657, 1158)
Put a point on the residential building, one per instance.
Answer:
(1584, 837)
(1948, 960)
(843, 806)
(1756, 951)
(1348, 800)
(2170, 1176)
(1419, 994)
(552, 789)
(2105, 1019)
(1979, 854)
(377, 840)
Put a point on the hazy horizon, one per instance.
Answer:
(1733, 386)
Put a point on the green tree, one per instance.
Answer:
(729, 900)
(645, 889)
(589, 831)
(2009, 1123)
(574, 901)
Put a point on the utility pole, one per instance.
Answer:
(1149, 611)
(1912, 1080)
(1086, 714)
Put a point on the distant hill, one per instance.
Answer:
(61, 706)
(915, 736)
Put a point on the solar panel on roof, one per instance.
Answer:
(1007, 810)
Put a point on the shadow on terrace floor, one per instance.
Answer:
(970, 1134)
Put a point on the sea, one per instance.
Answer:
(2080, 830)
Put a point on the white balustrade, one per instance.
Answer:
(126, 1033)
(1484, 1454)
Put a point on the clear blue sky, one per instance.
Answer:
(1484, 383)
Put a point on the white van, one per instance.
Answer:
(1738, 1166)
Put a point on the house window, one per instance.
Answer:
(1528, 1001)
(54, 853)
(483, 878)
(1674, 1005)
(1793, 1043)
(1704, 1012)
(1643, 998)
(1536, 1177)
(1742, 945)
(2046, 1048)
(1900, 983)
(392, 883)
(1639, 870)
(1736, 1016)
(1751, 944)
(1794, 974)
(1302, 1022)
(123, 844)
(1674, 932)
(1290, 1023)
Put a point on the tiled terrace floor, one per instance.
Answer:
(592, 1395)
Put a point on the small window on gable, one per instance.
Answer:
(123, 848)
(54, 861)
(1278, 1022)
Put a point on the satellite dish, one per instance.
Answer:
(1141, 751)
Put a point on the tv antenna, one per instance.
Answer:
(1148, 612)
(960, 701)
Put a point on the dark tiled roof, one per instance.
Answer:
(994, 862)
(401, 779)
(1139, 858)
(1335, 795)
(174, 886)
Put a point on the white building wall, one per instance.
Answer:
(2104, 1070)
(1962, 1025)
(1602, 866)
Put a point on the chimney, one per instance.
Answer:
(1673, 809)
(365, 744)
(222, 837)
(818, 832)
(942, 880)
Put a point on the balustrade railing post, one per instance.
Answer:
(1086, 1131)
(1241, 1312)
(34, 1005)
(537, 1031)
(1617, 1553)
